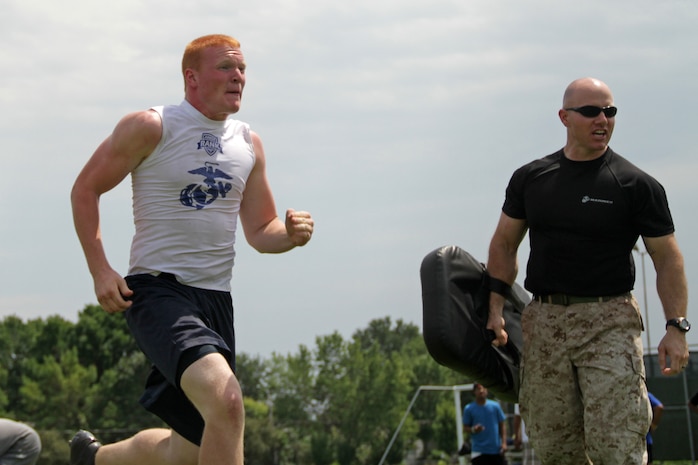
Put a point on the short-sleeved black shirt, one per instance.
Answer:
(584, 219)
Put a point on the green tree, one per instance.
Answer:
(382, 391)
(102, 339)
(52, 337)
(338, 403)
(252, 373)
(389, 339)
(16, 342)
(443, 425)
(262, 439)
(54, 391)
(363, 387)
(292, 382)
(291, 385)
(113, 401)
(430, 404)
(321, 450)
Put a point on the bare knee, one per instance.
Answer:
(214, 390)
(228, 408)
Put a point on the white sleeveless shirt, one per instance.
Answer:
(186, 198)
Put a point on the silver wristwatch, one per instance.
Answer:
(681, 323)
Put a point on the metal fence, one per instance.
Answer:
(676, 437)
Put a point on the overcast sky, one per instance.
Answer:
(396, 123)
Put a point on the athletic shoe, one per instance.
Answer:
(83, 448)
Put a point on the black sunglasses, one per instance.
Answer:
(591, 111)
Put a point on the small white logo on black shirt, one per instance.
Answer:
(587, 199)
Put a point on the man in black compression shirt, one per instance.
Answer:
(583, 395)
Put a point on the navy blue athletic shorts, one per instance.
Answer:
(175, 325)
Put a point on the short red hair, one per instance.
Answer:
(192, 54)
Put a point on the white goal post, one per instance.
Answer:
(457, 389)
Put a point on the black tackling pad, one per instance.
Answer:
(455, 301)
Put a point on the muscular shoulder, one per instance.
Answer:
(260, 157)
(256, 140)
(146, 124)
(633, 180)
(540, 166)
(138, 133)
(623, 169)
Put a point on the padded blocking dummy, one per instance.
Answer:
(455, 301)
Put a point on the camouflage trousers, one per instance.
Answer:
(583, 396)
(529, 455)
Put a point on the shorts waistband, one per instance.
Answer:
(565, 299)
(168, 276)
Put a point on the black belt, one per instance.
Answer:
(564, 299)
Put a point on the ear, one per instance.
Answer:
(563, 115)
(190, 77)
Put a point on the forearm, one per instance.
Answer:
(672, 289)
(672, 350)
(517, 427)
(271, 238)
(501, 262)
(654, 425)
(86, 221)
(671, 276)
(502, 266)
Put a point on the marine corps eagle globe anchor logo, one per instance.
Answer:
(200, 195)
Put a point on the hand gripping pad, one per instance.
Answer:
(455, 301)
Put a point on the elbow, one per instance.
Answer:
(79, 194)
(255, 243)
(74, 193)
(269, 238)
(259, 243)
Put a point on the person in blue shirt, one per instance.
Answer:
(657, 410)
(483, 420)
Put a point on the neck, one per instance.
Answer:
(205, 110)
(575, 153)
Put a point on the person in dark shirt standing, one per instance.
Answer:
(583, 395)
